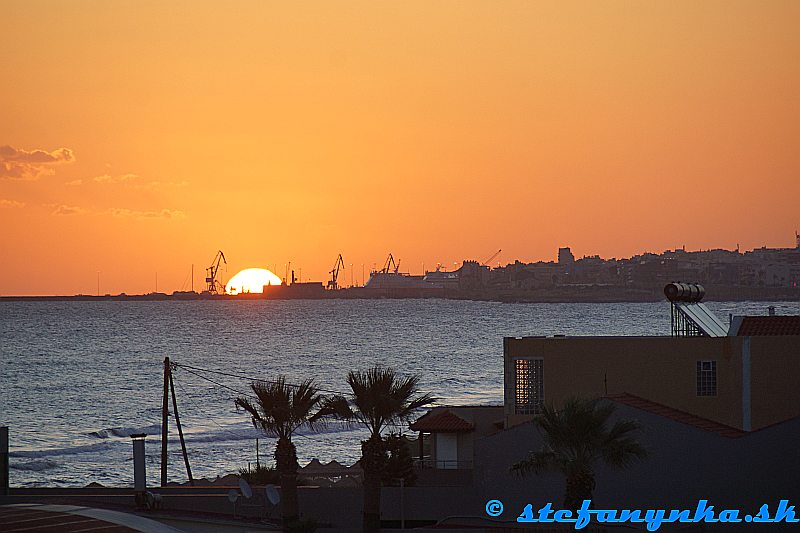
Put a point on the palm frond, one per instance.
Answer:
(620, 447)
(577, 435)
(536, 463)
(336, 406)
(381, 397)
(281, 408)
(418, 403)
(621, 453)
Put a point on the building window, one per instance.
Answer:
(529, 384)
(706, 378)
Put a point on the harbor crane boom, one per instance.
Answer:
(492, 258)
(333, 284)
(211, 273)
(390, 264)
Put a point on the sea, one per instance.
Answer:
(78, 378)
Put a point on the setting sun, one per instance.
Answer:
(251, 280)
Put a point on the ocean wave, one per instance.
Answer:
(71, 450)
(34, 466)
(335, 426)
(231, 433)
(154, 429)
(248, 432)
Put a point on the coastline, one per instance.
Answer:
(560, 294)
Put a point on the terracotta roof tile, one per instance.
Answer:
(443, 422)
(769, 325)
(677, 415)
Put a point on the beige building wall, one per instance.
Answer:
(774, 379)
(661, 369)
(757, 377)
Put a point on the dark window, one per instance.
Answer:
(706, 378)
(529, 382)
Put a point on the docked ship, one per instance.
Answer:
(389, 282)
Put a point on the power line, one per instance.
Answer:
(204, 413)
(245, 376)
(191, 369)
(223, 428)
(217, 383)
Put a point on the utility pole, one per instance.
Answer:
(169, 385)
(164, 423)
(180, 429)
(98, 283)
(192, 277)
(402, 504)
(4, 461)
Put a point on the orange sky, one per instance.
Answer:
(140, 137)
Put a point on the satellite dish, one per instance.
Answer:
(247, 492)
(233, 495)
(273, 495)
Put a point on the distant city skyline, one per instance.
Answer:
(141, 138)
(355, 274)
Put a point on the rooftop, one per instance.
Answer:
(677, 415)
(769, 325)
(443, 422)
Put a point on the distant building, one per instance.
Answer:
(565, 256)
(311, 289)
(762, 273)
(471, 276)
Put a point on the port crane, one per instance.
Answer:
(390, 264)
(333, 284)
(211, 273)
(492, 258)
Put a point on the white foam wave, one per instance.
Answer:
(242, 431)
(70, 450)
(238, 432)
(154, 429)
(34, 466)
(229, 433)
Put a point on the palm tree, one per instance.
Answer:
(380, 398)
(280, 409)
(575, 440)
